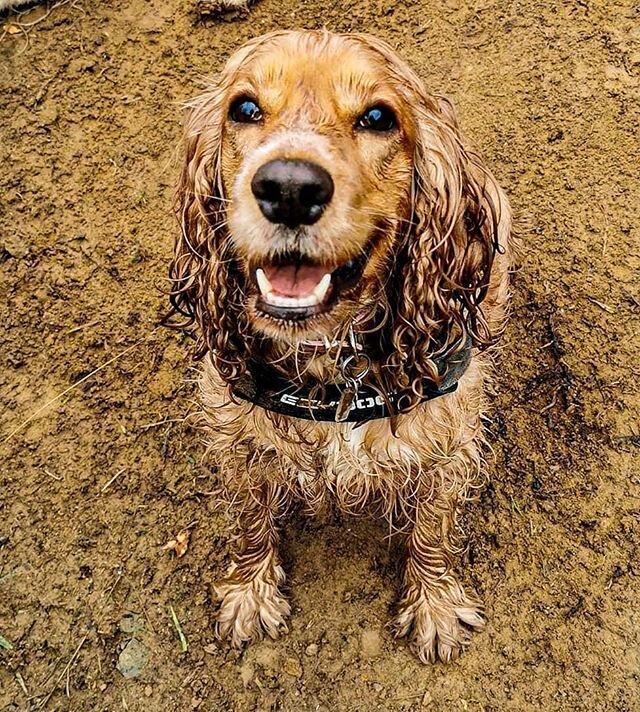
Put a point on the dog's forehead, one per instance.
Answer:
(337, 71)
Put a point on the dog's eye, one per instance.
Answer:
(377, 118)
(245, 111)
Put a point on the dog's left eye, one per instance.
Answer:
(245, 111)
(377, 118)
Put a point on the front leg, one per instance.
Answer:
(434, 610)
(251, 601)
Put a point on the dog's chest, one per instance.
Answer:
(345, 444)
(358, 465)
(360, 458)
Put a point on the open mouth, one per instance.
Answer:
(294, 288)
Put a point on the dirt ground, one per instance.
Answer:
(100, 475)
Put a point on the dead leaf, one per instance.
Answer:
(180, 544)
(11, 29)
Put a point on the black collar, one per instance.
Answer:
(269, 390)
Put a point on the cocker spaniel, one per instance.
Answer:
(346, 260)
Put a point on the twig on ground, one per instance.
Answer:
(22, 684)
(57, 478)
(50, 674)
(45, 700)
(113, 479)
(25, 27)
(602, 305)
(82, 326)
(159, 423)
(554, 400)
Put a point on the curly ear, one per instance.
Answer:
(460, 220)
(206, 287)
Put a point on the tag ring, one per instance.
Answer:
(351, 363)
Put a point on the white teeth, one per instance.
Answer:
(279, 300)
(321, 288)
(263, 281)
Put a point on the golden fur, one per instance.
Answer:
(439, 227)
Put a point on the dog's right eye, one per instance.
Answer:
(377, 118)
(245, 111)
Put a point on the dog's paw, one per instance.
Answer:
(438, 621)
(250, 609)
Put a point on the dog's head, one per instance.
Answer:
(323, 185)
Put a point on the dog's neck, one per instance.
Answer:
(320, 359)
(347, 386)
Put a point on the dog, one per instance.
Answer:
(345, 260)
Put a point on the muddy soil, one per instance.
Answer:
(103, 468)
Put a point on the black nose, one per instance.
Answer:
(292, 192)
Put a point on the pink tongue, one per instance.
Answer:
(294, 280)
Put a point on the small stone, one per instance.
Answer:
(370, 644)
(48, 114)
(211, 648)
(80, 64)
(148, 690)
(103, 686)
(131, 622)
(292, 667)
(311, 650)
(377, 687)
(427, 699)
(17, 248)
(132, 659)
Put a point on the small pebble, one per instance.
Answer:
(17, 248)
(131, 622)
(48, 114)
(148, 690)
(427, 699)
(370, 643)
(311, 650)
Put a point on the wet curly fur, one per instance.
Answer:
(438, 275)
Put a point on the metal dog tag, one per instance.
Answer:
(346, 400)
(354, 369)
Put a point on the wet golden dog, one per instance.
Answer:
(331, 213)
